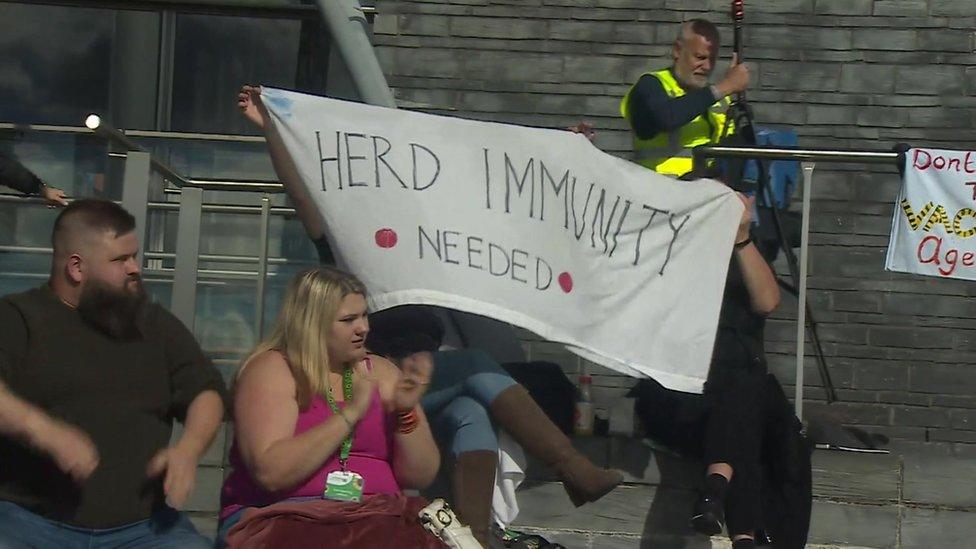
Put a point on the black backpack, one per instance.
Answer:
(787, 489)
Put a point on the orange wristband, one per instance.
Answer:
(407, 422)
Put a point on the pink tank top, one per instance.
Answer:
(371, 456)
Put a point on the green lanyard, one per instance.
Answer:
(347, 394)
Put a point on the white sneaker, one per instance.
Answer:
(439, 519)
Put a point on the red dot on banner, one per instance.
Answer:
(386, 238)
(566, 282)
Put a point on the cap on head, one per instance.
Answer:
(402, 331)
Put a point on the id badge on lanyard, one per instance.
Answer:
(344, 485)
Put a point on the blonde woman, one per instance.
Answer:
(473, 392)
(324, 430)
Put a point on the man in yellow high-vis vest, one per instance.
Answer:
(673, 110)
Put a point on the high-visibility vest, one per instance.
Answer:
(669, 153)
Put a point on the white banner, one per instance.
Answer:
(935, 217)
(533, 227)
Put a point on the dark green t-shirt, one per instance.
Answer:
(124, 395)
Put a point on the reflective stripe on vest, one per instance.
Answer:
(670, 152)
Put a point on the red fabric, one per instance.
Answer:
(380, 521)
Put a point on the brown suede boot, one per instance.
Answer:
(517, 413)
(473, 484)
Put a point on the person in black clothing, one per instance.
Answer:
(724, 424)
(13, 174)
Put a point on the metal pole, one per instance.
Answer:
(27, 250)
(278, 9)
(184, 304)
(262, 265)
(222, 185)
(809, 158)
(167, 55)
(801, 310)
(134, 60)
(347, 25)
(106, 130)
(149, 134)
(216, 208)
(786, 153)
(135, 190)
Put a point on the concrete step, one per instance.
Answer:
(576, 540)
(657, 516)
(913, 499)
(908, 501)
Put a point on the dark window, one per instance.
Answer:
(54, 63)
(215, 55)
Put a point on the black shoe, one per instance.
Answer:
(762, 538)
(709, 518)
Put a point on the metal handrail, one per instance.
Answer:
(106, 130)
(151, 134)
(96, 124)
(271, 187)
(215, 274)
(224, 7)
(223, 208)
(166, 206)
(165, 276)
(791, 153)
(197, 136)
(42, 128)
(212, 258)
(809, 158)
(7, 197)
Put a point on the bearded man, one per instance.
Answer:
(671, 111)
(91, 377)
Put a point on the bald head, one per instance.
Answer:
(83, 225)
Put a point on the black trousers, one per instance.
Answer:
(725, 424)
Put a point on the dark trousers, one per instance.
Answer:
(165, 529)
(725, 424)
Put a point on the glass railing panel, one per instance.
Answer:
(226, 304)
(225, 315)
(208, 159)
(287, 239)
(74, 162)
(160, 289)
(21, 272)
(25, 240)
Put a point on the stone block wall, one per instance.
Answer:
(857, 74)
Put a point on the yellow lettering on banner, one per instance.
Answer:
(940, 217)
(914, 220)
(957, 223)
(933, 214)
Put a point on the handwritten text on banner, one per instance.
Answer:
(935, 218)
(530, 226)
